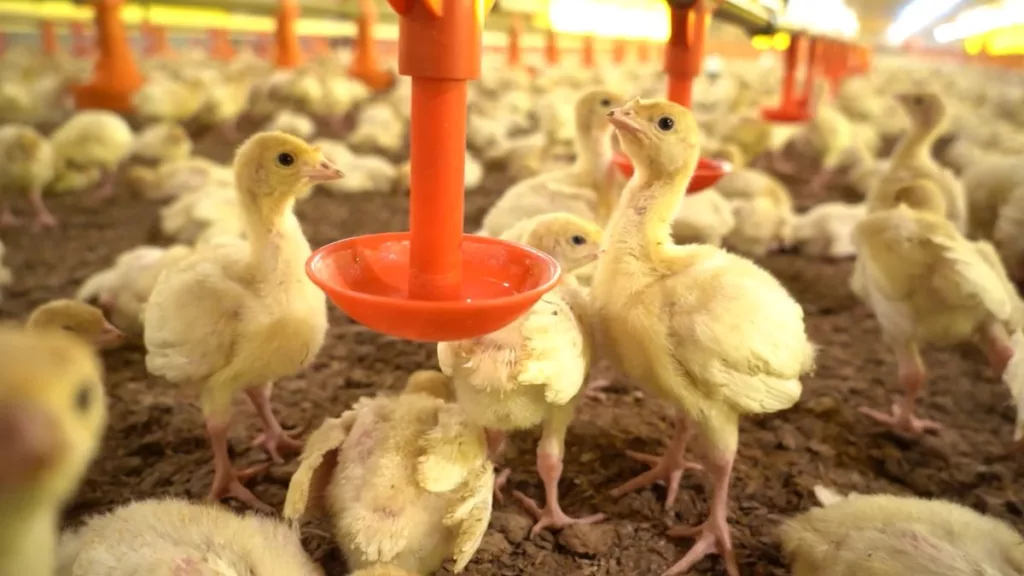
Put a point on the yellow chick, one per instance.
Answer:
(762, 210)
(989, 182)
(709, 331)
(706, 217)
(405, 479)
(156, 537)
(1007, 237)
(122, 290)
(6, 276)
(885, 535)
(75, 317)
(93, 140)
(547, 192)
(531, 372)
(52, 415)
(159, 143)
(237, 315)
(1013, 377)
(926, 285)
(28, 167)
(431, 383)
(912, 159)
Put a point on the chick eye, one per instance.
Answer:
(666, 123)
(285, 159)
(605, 102)
(83, 398)
(578, 240)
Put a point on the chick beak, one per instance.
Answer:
(30, 443)
(624, 121)
(110, 338)
(322, 172)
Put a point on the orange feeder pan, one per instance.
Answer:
(684, 55)
(435, 283)
(789, 110)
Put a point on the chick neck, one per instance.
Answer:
(275, 236)
(593, 154)
(28, 534)
(642, 223)
(916, 145)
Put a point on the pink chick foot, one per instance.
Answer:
(595, 387)
(277, 442)
(229, 484)
(44, 220)
(662, 471)
(903, 423)
(7, 219)
(499, 482)
(551, 516)
(712, 537)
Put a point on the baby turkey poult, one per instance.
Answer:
(52, 416)
(710, 331)
(238, 314)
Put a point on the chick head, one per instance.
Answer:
(592, 110)
(26, 145)
(274, 168)
(77, 318)
(52, 415)
(925, 108)
(572, 241)
(660, 137)
(920, 195)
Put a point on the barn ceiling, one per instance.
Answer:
(876, 15)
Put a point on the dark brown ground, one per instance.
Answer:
(156, 446)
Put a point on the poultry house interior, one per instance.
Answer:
(808, 213)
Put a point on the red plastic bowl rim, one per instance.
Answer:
(422, 305)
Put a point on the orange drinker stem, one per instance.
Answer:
(684, 53)
(289, 52)
(791, 59)
(588, 51)
(643, 51)
(79, 43)
(116, 76)
(515, 55)
(619, 51)
(158, 40)
(48, 38)
(221, 47)
(366, 64)
(551, 53)
(815, 46)
(439, 46)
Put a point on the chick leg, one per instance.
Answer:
(227, 482)
(7, 218)
(912, 376)
(550, 452)
(711, 537)
(104, 188)
(668, 469)
(274, 438)
(229, 129)
(995, 343)
(44, 218)
(495, 446)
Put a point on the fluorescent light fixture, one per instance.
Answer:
(981, 20)
(831, 17)
(916, 16)
(633, 19)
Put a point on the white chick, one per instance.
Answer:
(826, 230)
(705, 218)
(157, 537)
(175, 179)
(204, 214)
(28, 167)
(52, 415)
(885, 535)
(405, 479)
(161, 142)
(290, 122)
(379, 128)
(237, 315)
(1013, 377)
(531, 372)
(364, 173)
(93, 139)
(122, 290)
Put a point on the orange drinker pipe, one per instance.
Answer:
(515, 55)
(619, 51)
(48, 37)
(437, 158)
(79, 44)
(643, 51)
(813, 61)
(289, 52)
(551, 54)
(588, 51)
(789, 71)
(684, 53)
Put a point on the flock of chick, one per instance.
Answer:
(647, 295)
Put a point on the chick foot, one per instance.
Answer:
(595, 387)
(902, 421)
(273, 439)
(499, 483)
(712, 537)
(276, 442)
(7, 219)
(667, 470)
(227, 483)
(552, 516)
(44, 220)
